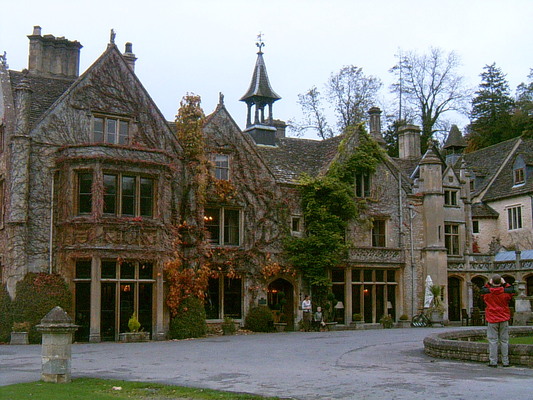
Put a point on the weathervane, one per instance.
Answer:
(260, 44)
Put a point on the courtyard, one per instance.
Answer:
(368, 364)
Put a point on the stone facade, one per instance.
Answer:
(94, 181)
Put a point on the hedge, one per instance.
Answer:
(36, 295)
(5, 315)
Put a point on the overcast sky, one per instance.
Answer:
(208, 46)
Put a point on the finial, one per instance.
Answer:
(3, 60)
(112, 36)
(220, 98)
(260, 44)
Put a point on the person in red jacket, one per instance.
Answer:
(497, 295)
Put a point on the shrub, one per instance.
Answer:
(228, 326)
(259, 319)
(37, 294)
(357, 317)
(404, 317)
(189, 321)
(133, 324)
(5, 315)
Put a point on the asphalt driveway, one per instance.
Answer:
(369, 364)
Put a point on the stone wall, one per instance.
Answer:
(463, 345)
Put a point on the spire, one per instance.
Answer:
(260, 93)
(455, 140)
(454, 145)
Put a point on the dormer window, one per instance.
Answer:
(110, 130)
(519, 171)
(222, 166)
(519, 176)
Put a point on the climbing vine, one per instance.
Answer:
(328, 204)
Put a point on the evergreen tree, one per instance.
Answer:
(492, 109)
(523, 115)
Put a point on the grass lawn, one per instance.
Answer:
(96, 389)
(517, 340)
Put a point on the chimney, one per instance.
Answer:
(375, 125)
(22, 99)
(129, 57)
(409, 142)
(281, 127)
(51, 56)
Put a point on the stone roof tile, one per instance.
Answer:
(46, 91)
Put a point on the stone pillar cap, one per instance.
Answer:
(57, 319)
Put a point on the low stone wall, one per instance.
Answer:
(462, 345)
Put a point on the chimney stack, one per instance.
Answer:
(129, 56)
(375, 125)
(51, 56)
(409, 142)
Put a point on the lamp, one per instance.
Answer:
(389, 305)
(339, 305)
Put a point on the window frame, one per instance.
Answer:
(221, 169)
(298, 220)
(79, 194)
(137, 197)
(119, 122)
(514, 217)
(363, 185)
(379, 237)
(451, 197)
(475, 226)
(221, 223)
(451, 239)
(519, 176)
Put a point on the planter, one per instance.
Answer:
(280, 326)
(19, 338)
(130, 337)
(358, 325)
(404, 323)
(437, 318)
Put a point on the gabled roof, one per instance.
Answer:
(485, 163)
(292, 157)
(260, 85)
(503, 186)
(46, 91)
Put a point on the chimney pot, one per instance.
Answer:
(129, 48)
(36, 30)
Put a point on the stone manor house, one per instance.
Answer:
(91, 186)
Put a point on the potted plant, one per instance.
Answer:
(358, 321)
(404, 321)
(19, 333)
(136, 334)
(228, 326)
(386, 321)
(436, 310)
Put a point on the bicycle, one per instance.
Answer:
(420, 320)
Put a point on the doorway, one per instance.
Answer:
(280, 290)
(454, 299)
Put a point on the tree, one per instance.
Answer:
(523, 114)
(352, 93)
(431, 87)
(314, 116)
(492, 109)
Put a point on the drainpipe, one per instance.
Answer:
(51, 221)
(411, 216)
